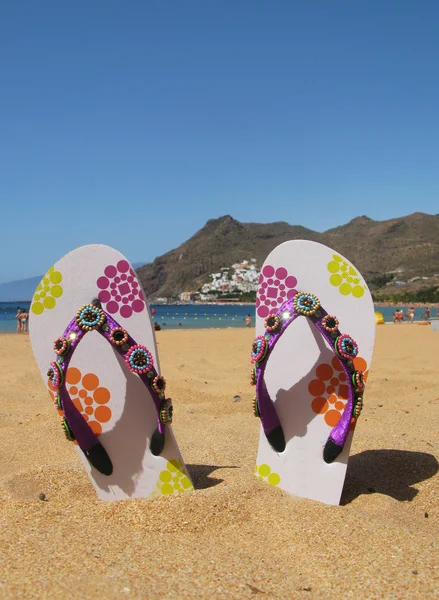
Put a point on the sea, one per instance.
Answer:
(192, 316)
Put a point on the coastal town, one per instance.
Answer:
(231, 282)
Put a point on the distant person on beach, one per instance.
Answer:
(427, 313)
(248, 320)
(23, 318)
(157, 327)
(17, 316)
(398, 316)
(411, 315)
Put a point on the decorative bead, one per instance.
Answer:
(256, 407)
(106, 327)
(67, 431)
(61, 346)
(90, 317)
(118, 336)
(159, 384)
(330, 323)
(306, 304)
(57, 402)
(358, 406)
(166, 412)
(346, 347)
(358, 380)
(55, 376)
(139, 359)
(259, 349)
(273, 323)
(125, 347)
(72, 336)
(253, 377)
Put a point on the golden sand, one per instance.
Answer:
(235, 536)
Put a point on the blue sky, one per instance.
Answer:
(132, 124)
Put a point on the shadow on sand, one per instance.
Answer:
(389, 472)
(200, 475)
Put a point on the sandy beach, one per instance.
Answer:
(235, 536)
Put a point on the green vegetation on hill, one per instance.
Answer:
(426, 294)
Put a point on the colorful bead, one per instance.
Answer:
(139, 359)
(166, 411)
(259, 349)
(306, 304)
(346, 347)
(67, 431)
(273, 323)
(358, 406)
(253, 377)
(55, 376)
(90, 317)
(57, 402)
(61, 346)
(256, 407)
(330, 323)
(159, 384)
(358, 380)
(118, 336)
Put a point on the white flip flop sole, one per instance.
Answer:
(303, 375)
(115, 402)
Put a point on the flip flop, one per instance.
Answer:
(94, 344)
(315, 327)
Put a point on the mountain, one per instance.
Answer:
(408, 246)
(19, 290)
(404, 248)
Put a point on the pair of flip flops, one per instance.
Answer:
(94, 343)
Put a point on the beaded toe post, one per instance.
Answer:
(306, 305)
(138, 359)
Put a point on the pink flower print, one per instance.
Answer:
(120, 290)
(275, 286)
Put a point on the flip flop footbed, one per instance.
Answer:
(303, 375)
(116, 404)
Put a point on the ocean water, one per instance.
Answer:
(189, 316)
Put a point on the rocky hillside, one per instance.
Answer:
(408, 245)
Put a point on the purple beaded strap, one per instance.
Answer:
(276, 325)
(126, 347)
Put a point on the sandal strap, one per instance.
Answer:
(308, 305)
(133, 354)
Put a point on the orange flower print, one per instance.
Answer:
(331, 391)
(89, 398)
